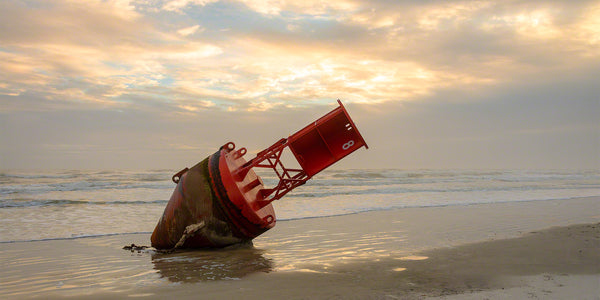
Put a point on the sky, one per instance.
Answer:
(150, 84)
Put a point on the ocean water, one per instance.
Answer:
(72, 204)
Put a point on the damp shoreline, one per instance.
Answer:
(406, 253)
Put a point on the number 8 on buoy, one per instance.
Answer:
(347, 145)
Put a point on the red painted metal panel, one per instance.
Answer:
(325, 141)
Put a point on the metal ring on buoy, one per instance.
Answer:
(178, 175)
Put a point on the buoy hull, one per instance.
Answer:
(209, 193)
(221, 201)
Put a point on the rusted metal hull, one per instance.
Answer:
(209, 193)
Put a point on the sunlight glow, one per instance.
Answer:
(590, 26)
(314, 50)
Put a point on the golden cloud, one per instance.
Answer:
(102, 52)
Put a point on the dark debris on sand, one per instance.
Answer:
(134, 247)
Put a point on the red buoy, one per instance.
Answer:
(221, 201)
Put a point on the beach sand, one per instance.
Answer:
(516, 250)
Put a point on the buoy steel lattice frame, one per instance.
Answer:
(290, 178)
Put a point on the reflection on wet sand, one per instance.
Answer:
(211, 264)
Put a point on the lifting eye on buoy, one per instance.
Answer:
(177, 176)
(229, 146)
(224, 189)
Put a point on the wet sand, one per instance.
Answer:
(544, 249)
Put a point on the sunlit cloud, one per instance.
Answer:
(189, 30)
(195, 105)
(119, 8)
(114, 53)
(179, 5)
(261, 106)
(444, 15)
(535, 24)
(307, 7)
(189, 52)
(587, 31)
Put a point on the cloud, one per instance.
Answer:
(179, 5)
(87, 52)
(371, 52)
(188, 30)
(305, 7)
